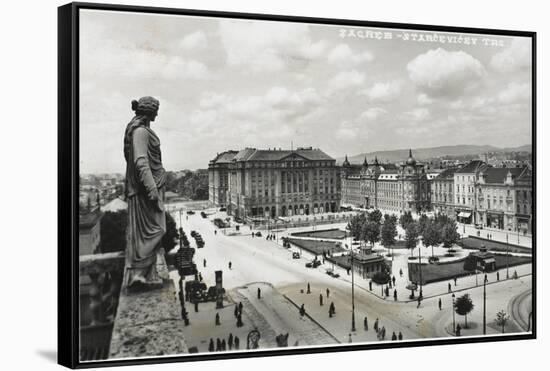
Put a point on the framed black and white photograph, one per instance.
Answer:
(241, 185)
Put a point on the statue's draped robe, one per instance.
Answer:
(145, 178)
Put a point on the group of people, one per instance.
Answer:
(222, 345)
(381, 331)
(238, 312)
(270, 237)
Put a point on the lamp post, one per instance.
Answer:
(485, 305)
(454, 324)
(420, 271)
(352, 293)
(507, 251)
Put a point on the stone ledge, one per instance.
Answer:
(149, 323)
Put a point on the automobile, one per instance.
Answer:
(193, 233)
(223, 209)
(258, 234)
(479, 226)
(313, 264)
(203, 214)
(295, 255)
(190, 212)
(332, 273)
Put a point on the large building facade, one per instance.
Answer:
(386, 186)
(465, 180)
(442, 193)
(218, 178)
(276, 183)
(504, 199)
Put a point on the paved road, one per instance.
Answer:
(520, 308)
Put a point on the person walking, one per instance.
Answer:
(211, 345)
(395, 294)
(217, 319)
(455, 280)
(458, 328)
(393, 336)
(370, 285)
(229, 265)
(376, 325)
(400, 336)
(498, 276)
(393, 280)
(349, 338)
(240, 307)
(259, 293)
(328, 293)
(439, 303)
(366, 323)
(204, 263)
(230, 341)
(419, 301)
(308, 289)
(236, 311)
(218, 345)
(237, 342)
(400, 272)
(302, 310)
(449, 287)
(321, 300)
(239, 320)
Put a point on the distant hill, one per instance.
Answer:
(425, 153)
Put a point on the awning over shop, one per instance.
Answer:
(490, 260)
(464, 214)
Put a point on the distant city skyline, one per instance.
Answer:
(229, 84)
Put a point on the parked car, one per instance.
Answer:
(258, 234)
(479, 226)
(295, 255)
(313, 264)
(190, 212)
(332, 273)
(223, 209)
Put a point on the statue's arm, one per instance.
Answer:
(140, 143)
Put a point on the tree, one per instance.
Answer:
(449, 235)
(389, 232)
(169, 240)
(371, 232)
(375, 216)
(431, 236)
(355, 225)
(462, 306)
(423, 223)
(411, 236)
(113, 231)
(405, 219)
(501, 319)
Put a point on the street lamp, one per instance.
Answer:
(454, 324)
(507, 251)
(352, 293)
(485, 305)
(420, 271)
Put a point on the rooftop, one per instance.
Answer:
(253, 154)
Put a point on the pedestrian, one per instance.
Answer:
(366, 323)
(229, 265)
(458, 328)
(211, 345)
(389, 284)
(349, 338)
(455, 280)
(259, 293)
(370, 285)
(332, 309)
(302, 310)
(217, 319)
(239, 320)
(223, 347)
(419, 301)
(400, 272)
(308, 289)
(387, 291)
(218, 345)
(237, 341)
(215, 232)
(204, 263)
(498, 277)
(376, 325)
(450, 290)
(393, 280)
(328, 293)
(395, 294)
(439, 303)
(196, 306)
(400, 336)
(240, 307)
(382, 333)
(393, 336)
(236, 311)
(321, 300)
(230, 341)
(252, 234)
(200, 276)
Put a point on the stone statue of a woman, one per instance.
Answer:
(145, 178)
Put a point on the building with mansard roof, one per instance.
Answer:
(218, 178)
(505, 198)
(271, 183)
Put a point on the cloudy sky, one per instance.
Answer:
(229, 84)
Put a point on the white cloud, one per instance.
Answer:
(418, 114)
(445, 73)
(424, 99)
(346, 130)
(194, 40)
(516, 57)
(342, 55)
(267, 46)
(346, 79)
(515, 92)
(372, 113)
(383, 91)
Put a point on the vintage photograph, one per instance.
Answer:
(249, 185)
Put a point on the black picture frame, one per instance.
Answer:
(68, 180)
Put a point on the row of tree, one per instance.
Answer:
(193, 185)
(373, 227)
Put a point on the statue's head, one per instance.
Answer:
(146, 106)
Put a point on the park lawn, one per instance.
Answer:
(334, 233)
(473, 242)
(449, 270)
(316, 247)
